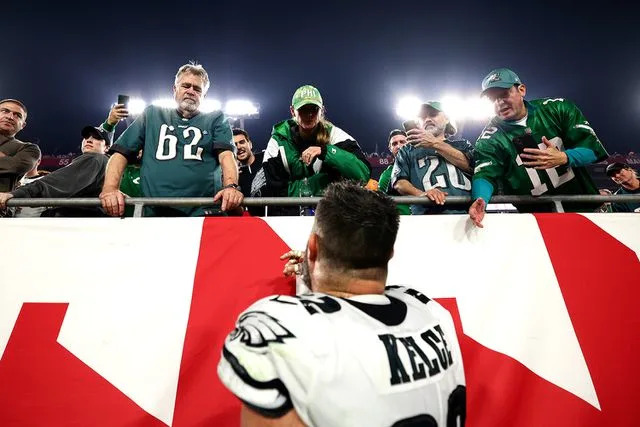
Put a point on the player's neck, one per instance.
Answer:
(366, 282)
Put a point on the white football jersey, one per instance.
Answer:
(370, 360)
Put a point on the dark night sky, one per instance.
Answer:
(68, 63)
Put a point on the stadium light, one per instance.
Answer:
(454, 106)
(470, 108)
(164, 102)
(240, 108)
(208, 105)
(480, 108)
(408, 107)
(136, 106)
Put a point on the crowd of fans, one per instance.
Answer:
(531, 147)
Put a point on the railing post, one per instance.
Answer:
(557, 204)
(137, 210)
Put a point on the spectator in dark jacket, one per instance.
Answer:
(83, 177)
(16, 157)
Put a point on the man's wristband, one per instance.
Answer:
(234, 186)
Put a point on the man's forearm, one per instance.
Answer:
(405, 188)
(454, 156)
(113, 175)
(229, 167)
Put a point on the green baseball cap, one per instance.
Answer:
(436, 105)
(451, 128)
(304, 95)
(500, 77)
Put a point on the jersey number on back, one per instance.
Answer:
(556, 179)
(168, 143)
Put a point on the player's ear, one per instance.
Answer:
(293, 112)
(312, 247)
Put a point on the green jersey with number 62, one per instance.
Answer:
(180, 157)
(564, 125)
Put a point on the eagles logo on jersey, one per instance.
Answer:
(258, 329)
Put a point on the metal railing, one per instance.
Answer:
(140, 202)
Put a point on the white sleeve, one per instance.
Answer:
(264, 363)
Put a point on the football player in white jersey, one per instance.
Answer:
(353, 352)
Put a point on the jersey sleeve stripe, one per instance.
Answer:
(269, 398)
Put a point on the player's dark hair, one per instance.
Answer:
(238, 131)
(356, 227)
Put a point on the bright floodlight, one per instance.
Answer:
(136, 106)
(208, 105)
(470, 108)
(480, 108)
(240, 108)
(165, 102)
(408, 107)
(454, 106)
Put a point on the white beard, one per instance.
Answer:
(188, 105)
(435, 130)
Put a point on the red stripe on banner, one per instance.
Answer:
(238, 264)
(602, 297)
(503, 392)
(42, 383)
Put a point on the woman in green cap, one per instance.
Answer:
(306, 153)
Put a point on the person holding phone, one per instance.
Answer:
(433, 164)
(185, 153)
(560, 143)
(308, 146)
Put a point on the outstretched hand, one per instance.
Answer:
(477, 211)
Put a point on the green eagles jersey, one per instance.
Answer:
(180, 156)
(497, 159)
(626, 206)
(284, 170)
(385, 187)
(425, 169)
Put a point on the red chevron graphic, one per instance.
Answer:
(41, 383)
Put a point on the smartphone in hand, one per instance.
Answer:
(409, 124)
(124, 99)
(524, 141)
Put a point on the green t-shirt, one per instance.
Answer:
(130, 185)
(180, 157)
(560, 120)
(383, 186)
